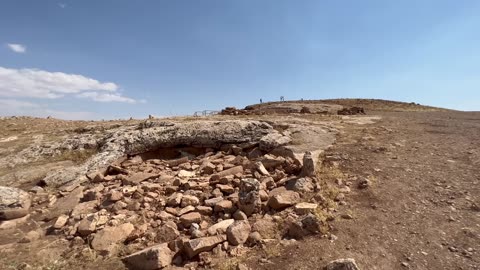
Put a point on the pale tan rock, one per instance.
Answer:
(196, 246)
(238, 232)
(189, 218)
(223, 206)
(305, 208)
(220, 227)
(151, 258)
(283, 200)
(61, 221)
(189, 200)
(106, 241)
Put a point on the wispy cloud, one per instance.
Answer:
(35, 83)
(62, 5)
(11, 107)
(18, 48)
(106, 97)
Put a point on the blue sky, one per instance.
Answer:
(111, 59)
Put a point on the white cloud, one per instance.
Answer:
(106, 97)
(18, 48)
(62, 5)
(35, 83)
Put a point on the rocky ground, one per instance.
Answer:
(302, 190)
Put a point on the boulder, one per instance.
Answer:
(238, 232)
(196, 246)
(151, 258)
(14, 203)
(105, 241)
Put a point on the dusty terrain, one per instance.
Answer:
(399, 189)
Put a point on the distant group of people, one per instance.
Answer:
(282, 98)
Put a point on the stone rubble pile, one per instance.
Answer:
(182, 211)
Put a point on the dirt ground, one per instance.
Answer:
(422, 210)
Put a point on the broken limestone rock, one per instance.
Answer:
(248, 197)
(151, 258)
(302, 184)
(195, 246)
(105, 242)
(220, 227)
(342, 264)
(189, 218)
(238, 232)
(305, 208)
(283, 200)
(14, 203)
(272, 141)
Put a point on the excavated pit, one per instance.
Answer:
(188, 192)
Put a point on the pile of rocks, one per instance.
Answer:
(235, 111)
(351, 111)
(186, 210)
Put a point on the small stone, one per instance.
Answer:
(342, 264)
(185, 210)
(239, 215)
(226, 188)
(213, 201)
(305, 208)
(188, 200)
(175, 199)
(363, 183)
(192, 217)
(204, 210)
(167, 232)
(223, 206)
(115, 196)
(87, 226)
(61, 221)
(308, 168)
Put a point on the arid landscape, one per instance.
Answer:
(338, 184)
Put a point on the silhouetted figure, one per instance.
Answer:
(282, 98)
(261, 101)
